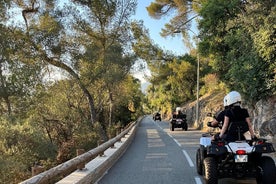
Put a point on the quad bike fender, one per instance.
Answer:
(234, 146)
(205, 141)
(216, 150)
(264, 148)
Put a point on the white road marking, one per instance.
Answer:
(198, 180)
(176, 141)
(188, 158)
(159, 126)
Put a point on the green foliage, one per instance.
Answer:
(183, 11)
(238, 36)
(183, 79)
(173, 84)
(211, 84)
(145, 49)
(46, 121)
(18, 81)
(128, 102)
(21, 146)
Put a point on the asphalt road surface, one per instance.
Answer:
(160, 156)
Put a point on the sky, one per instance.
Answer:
(172, 44)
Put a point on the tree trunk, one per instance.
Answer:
(83, 88)
(110, 108)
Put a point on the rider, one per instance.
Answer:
(220, 117)
(178, 114)
(235, 117)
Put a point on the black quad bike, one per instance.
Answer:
(240, 159)
(179, 123)
(157, 116)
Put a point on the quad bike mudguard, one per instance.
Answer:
(264, 148)
(217, 150)
(205, 140)
(212, 148)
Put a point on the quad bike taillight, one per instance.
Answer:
(260, 141)
(220, 143)
(240, 152)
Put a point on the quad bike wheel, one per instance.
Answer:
(171, 127)
(267, 171)
(185, 127)
(199, 164)
(210, 170)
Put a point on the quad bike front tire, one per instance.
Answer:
(199, 164)
(210, 170)
(267, 171)
(185, 127)
(171, 127)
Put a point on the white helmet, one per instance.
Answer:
(178, 109)
(225, 101)
(233, 97)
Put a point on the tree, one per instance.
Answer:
(183, 79)
(259, 21)
(92, 47)
(110, 36)
(46, 36)
(17, 79)
(184, 15)
(229, 36)
(61, 113)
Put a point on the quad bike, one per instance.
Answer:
(157, 116)
(243, 158)
(178, 123)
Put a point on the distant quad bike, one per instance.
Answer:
(178, 123)
(244, 158)
(157, 116)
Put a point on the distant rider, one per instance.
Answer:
(178, 114)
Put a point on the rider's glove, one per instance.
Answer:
(254, 138)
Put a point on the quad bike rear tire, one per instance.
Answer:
(210, 170)
(267, 171)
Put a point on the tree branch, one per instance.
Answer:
(28, 10)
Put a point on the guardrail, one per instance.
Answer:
(92, 175)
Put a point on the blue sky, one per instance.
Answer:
(173, 44)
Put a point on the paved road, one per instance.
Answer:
(158, 155)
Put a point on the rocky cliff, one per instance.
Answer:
(264, 118)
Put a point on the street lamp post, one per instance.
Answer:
(197, 81)
(197, 91)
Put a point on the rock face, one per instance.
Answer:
(264, 119)
(263, 114)
(208, 104)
